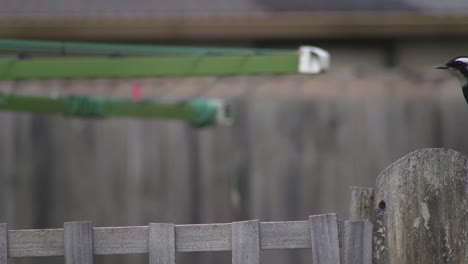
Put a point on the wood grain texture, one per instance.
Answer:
(284, 235)
(208, 237)
(421, 209)
(3, 243)
(78, 243)
(245, 242)
(120, 240)
(161, 243)
(36, 243)
(362, 202)
(357, 242)
(324, 239)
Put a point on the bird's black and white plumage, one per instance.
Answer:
(459, 66)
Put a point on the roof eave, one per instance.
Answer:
(238, 27)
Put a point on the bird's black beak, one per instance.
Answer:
(442, 67)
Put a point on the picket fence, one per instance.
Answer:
(416, 214)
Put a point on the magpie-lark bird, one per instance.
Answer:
(459, 66)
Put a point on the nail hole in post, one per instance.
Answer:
(382, 204)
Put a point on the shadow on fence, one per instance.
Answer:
(416, 214)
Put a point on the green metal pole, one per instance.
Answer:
(151, 61)
(134, 67)
(199, 113)
(86, 48)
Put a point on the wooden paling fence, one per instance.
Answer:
(417, 214)
(78, 241)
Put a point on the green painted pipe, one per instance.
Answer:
(134, 67)
(199, 113)
(150, 61)
(86, 48)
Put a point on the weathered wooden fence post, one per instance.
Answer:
(3, 244)
(78, 241)
(421, 209)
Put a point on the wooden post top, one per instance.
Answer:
(421, 209)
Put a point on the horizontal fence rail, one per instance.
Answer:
(78, 241)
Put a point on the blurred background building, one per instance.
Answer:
(298, 141)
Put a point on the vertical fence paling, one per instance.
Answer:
(161, 244)
(324, 239)
(3, 244)
(362, 202)
(245, 242)
(78, 241)
(357, 242)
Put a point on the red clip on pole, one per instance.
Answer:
(136, 92)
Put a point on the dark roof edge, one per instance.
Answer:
(237, 27)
